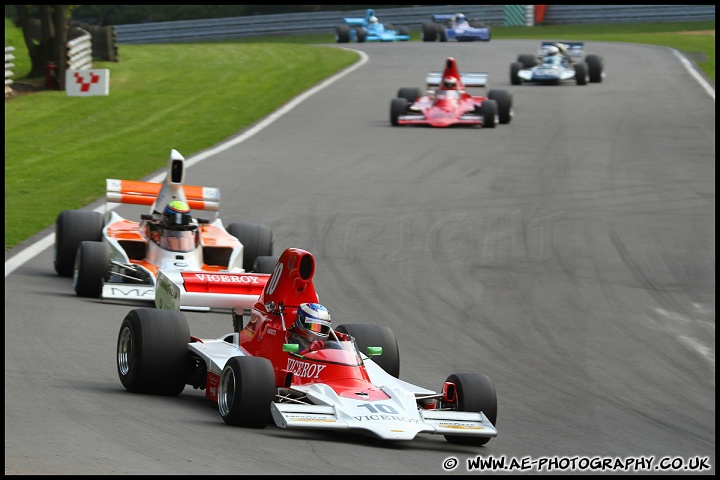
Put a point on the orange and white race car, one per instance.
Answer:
(112, 257)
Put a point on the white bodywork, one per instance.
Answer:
(397, 418)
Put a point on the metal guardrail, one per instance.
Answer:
(412, 17)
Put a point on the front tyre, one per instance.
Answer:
(475, 392)
(581, 73)
(595, 68)
(504, 104)
(246, 390)
(152, 351)
(92, 268)
(488, 111)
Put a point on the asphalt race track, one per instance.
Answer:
(569, 255)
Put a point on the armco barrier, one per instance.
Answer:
(412, 17)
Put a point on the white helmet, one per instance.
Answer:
(373, 20)
(552, 50)
(449, 82)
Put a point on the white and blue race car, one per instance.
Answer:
(557, 62)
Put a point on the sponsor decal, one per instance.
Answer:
(308, 418)
(214, 277)
(462, 426)
(376, 418)
(132, 292)
(304, 369)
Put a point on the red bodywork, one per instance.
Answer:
(290, 285)
(446, 107)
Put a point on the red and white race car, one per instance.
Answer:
(449, 103)
(111, 257)
(266, 371)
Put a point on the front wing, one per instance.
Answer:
(397, 418)
(440, 120)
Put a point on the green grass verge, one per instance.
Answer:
(59, 150)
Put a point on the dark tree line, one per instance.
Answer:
(45, 27)
(129, 14)
(48, 43)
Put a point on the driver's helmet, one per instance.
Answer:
(552, 50)
(176, 216)
(175, 232)
(373, 20)
(313, 321)
(449, 82)
(460, 18)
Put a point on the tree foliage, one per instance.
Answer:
(45, 33)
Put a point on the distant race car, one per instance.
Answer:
(369, 29)
(557, 62)
(262, 372)
(120, 259)
(450, 104)
(446, 27)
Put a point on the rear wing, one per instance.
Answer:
(355, 22)
(186, 290)
(573, 49)
(360, 22)
(469, 79)
(443, 18)
(145, 193)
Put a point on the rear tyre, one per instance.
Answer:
(411, 94)
(398, 107)
(92, 268)
(504, 104)
(475, 393)
(595, 68)
(71, 228)
(527, 60)
(342, 34)
(265, 264)
(429, 32)
(404, 31)
(152, 351)
(257, 240)
(488, 111)
(245, 392)
(369, 335)
(442, 34)
(581, 73)
(361, 35)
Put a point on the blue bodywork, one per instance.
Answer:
(461, 31)
(361, 30)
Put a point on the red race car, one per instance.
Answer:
(288, 365)
(450, 104)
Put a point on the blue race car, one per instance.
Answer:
(455, 27)
(369, 29)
